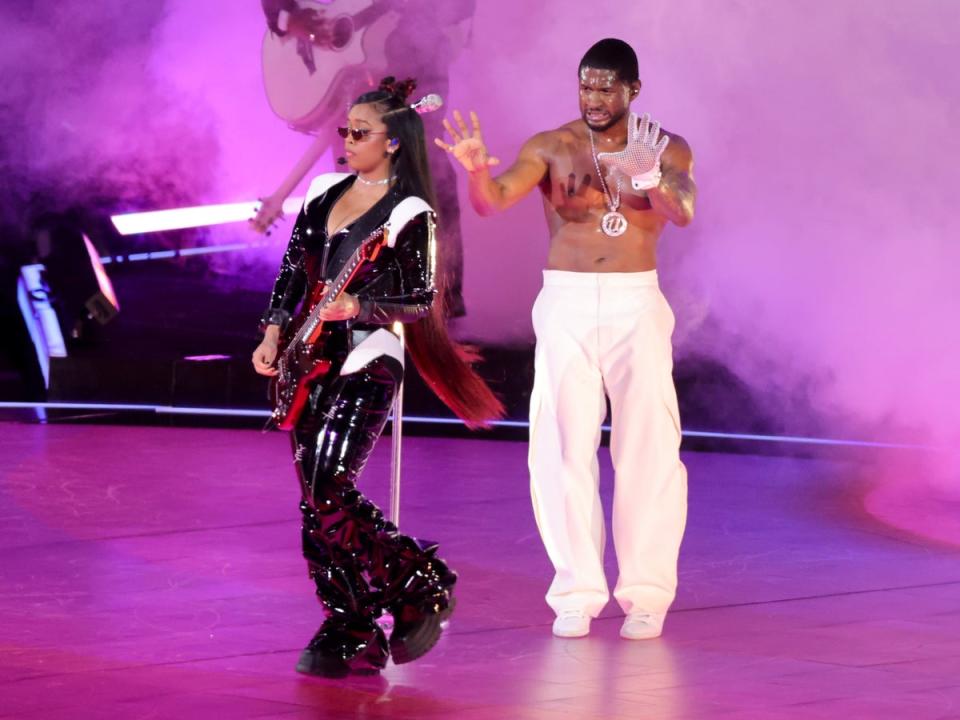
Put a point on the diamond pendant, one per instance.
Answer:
(613, 224)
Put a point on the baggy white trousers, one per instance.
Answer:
(607, 333)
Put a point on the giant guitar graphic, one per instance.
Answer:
(308, 82)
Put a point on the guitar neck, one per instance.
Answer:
(300, 170)
(313, 324)
(370, 14)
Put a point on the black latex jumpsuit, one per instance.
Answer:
(361, 565)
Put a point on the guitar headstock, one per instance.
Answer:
(372, 246)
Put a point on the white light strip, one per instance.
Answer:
(219, 248)
(186, 252)
(177, 410)
(159, 409)
(807, 440)
(193, 217)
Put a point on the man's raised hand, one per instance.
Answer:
(467, 147)
(640, 160)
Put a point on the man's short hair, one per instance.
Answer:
(612, 54)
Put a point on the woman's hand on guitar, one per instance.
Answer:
(344, 307)
(468, 147)
(264, 357)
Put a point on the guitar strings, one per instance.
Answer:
(338, 284)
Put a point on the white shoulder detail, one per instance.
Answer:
(321, 183)
(405, 211)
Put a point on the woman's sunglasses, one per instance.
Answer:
(358, 134)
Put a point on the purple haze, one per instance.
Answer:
(823, 260)
(822, 264)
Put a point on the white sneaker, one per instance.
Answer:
(642, 626)
(571, 624)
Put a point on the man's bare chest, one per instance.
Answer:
(576, 184)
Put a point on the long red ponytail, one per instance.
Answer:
(447, 368)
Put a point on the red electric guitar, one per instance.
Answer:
(300, 364)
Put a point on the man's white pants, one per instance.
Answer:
(596, 333)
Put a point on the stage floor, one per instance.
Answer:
(155, 573)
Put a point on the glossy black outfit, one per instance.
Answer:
(361, 565)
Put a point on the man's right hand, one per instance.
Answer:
(640, 160)
(468, 147)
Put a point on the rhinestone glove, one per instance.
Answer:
(640, 160)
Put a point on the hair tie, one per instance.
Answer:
(400, 90)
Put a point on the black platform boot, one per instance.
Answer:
(349, 641)
(347, 537)
(417, 589)
(405, 577)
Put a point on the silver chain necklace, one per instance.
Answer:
(374, 182)
(613, 223)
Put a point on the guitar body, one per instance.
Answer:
(355, 60)
(300, 367)
(300, 361)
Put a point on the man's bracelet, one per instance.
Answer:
(647, 180)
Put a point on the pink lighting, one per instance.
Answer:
(106, 287)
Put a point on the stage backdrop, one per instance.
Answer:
(822, 264)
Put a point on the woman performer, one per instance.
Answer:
(361, 565)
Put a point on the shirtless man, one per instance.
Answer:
(610, 183)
